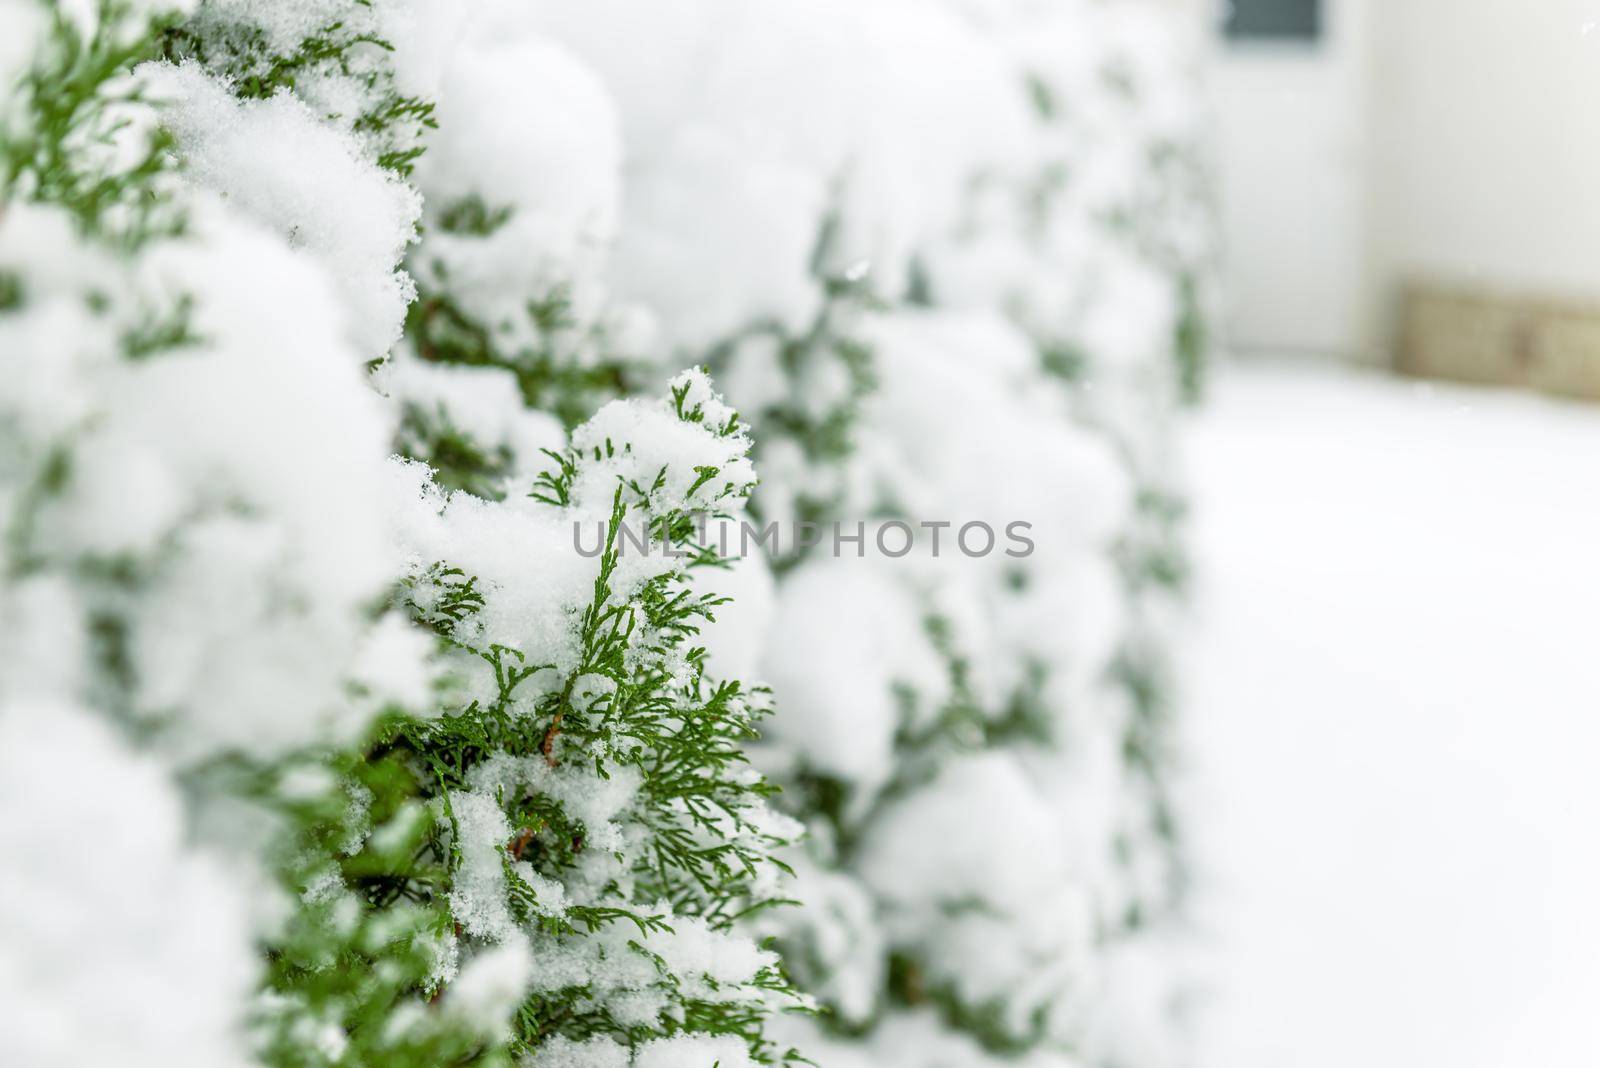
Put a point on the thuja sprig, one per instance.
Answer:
(634, 700)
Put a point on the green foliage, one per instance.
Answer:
(73, 134)
(459, 461)
(11, 291)
(1193, 341)
(162, 331)
(345, 48)
(548, 375)
(829, 347)
(353, 844)
(637, 702)
(362, 841)
(470, 215)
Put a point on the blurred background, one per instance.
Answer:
(1394, 690)
(1374, 156)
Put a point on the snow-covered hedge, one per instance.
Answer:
(342, 714)
(951, 260)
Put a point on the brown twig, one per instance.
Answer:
(521, 842)
(550, 736)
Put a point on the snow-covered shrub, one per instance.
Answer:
(1100, 249)
(523, 187)
(173, 562)
(295, 114)
(404, 760)
(337, 339)
(782, 162)
(950, 260)
(556, 855)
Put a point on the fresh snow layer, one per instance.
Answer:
(118, 944)
(1392, 704)
(277, 162)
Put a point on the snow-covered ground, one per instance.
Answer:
(1395, 718)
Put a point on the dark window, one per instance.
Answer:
(1292, 20)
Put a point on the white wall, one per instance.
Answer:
(1486, 146)
(1453, 140)
(1293, 168)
